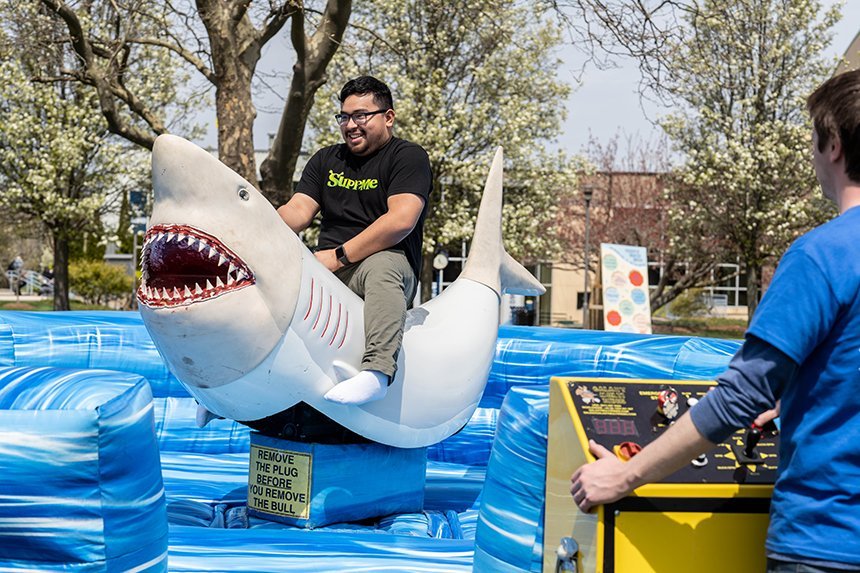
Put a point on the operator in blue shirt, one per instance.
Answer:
(803, 350)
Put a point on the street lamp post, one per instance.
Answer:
(587, 192)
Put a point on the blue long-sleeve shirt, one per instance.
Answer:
(754, 380)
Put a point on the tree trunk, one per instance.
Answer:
(235, 48)
(313, 55)
(61, 271)
(277, 170)
(753, 276)
(236, 114)
(426, 277)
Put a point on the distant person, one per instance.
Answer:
(13, 274)
(802, 349)
(372, 191)
(16, 265)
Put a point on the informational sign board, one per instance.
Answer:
(307, 484)
(280, 482)
(626, 302)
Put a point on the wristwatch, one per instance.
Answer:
(341, 255)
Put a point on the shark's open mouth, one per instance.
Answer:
(182, 265)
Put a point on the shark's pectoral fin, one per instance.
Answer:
(343, 371)
(516, 279)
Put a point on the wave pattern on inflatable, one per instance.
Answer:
(478, 487)
(81, 486)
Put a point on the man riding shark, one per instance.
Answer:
(252, 323)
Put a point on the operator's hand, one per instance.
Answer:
(767, 416)
(328, 259)
(603, 481)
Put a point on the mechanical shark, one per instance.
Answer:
(252, 324)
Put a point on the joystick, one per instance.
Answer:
(748, 454)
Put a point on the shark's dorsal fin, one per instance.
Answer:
(488, 262)
(516, 279)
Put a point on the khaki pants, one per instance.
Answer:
(387, 284)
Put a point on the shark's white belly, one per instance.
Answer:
(447, 351)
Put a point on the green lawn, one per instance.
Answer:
(708, 327)
(44, 304)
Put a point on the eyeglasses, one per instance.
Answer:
(360, 118)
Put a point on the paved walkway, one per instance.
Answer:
(7, 295)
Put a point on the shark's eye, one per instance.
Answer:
(243, 194)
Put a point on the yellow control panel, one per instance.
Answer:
(708, 517)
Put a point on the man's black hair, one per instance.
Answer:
(368, 85)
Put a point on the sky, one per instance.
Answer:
(604, 102)
(607, 100)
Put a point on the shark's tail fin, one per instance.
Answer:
(488, 262)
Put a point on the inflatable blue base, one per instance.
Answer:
(105, 469)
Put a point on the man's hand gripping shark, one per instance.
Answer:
(252, 324)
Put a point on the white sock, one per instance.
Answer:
(204, 416)
(364, 387)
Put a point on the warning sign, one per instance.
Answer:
(279, 482)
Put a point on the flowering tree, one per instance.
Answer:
(739, 72)
(748, 182)
(222, 41)
(57, 165)
(466, 77)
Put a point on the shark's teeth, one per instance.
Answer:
(161, 285)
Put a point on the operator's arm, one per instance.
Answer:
(609, 479)
(757, 373)
(404, 209)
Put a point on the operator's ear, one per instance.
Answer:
(835, 151)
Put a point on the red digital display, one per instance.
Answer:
(614, 427)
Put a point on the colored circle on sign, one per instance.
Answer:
(638, 296)
(626, 307)
(636, 278)
(613, 318)
(619, 280)
(611, 296)
(610, 262)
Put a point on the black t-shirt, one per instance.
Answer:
(353, 191)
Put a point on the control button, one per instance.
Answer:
(700, 461)
(692, 401)
(626, 450)
(667, 403)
